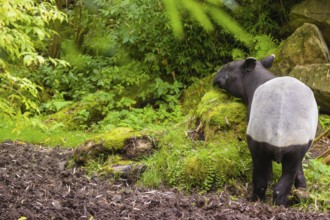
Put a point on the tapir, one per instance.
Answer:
(282, 122)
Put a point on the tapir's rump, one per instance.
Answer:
(283, 113)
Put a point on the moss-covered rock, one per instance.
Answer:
(317, 77)
(312, 11)
(118, 167)
(114, 140)
(220, 121)
(305, 46)
(123, 141)
(219, 112)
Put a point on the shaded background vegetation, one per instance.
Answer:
(101, 48)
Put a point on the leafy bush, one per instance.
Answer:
(95, 73)
(149, 40)
(18, 95)
(25, 24)
(141, 118)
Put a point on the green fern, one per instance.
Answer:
(263, 45)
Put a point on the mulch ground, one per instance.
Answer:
(35, 184)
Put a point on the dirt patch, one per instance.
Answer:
(35, 183)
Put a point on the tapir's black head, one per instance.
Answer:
(230, 76)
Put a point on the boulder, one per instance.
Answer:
(217, 114)
(305, 46)
(317, 77)
(312, 11)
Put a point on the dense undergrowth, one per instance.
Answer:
(117, 64)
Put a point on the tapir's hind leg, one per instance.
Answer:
(291, 166)
(284, 185)
(300, 181)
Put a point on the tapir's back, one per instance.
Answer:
(283, 113)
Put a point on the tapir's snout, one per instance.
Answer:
(218, 82)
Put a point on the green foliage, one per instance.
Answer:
(260, 17)
(222, 158)
(25, 24)
(154, 46)
(264, 45)
(187, 164)
(256, 20)
(141, 118)
(101, 95)
(317, 175)
(88, 76)
(203, 12)
(18, 95)
(324, 121)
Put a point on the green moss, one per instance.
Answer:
(213, 165)
(218, 112)
(221, 157)
(113, 167)
(115, 139)
(113, 160)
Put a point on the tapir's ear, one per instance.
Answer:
(267, 62)
(249, 64)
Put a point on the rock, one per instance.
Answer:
(301, 193)
(89, 150)
(130, 172)
(137, 147)
(317, 77)
(117, 198)
(305, 46)
(122, 169)
(57, 204)
(312, 11)
(61, 165)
